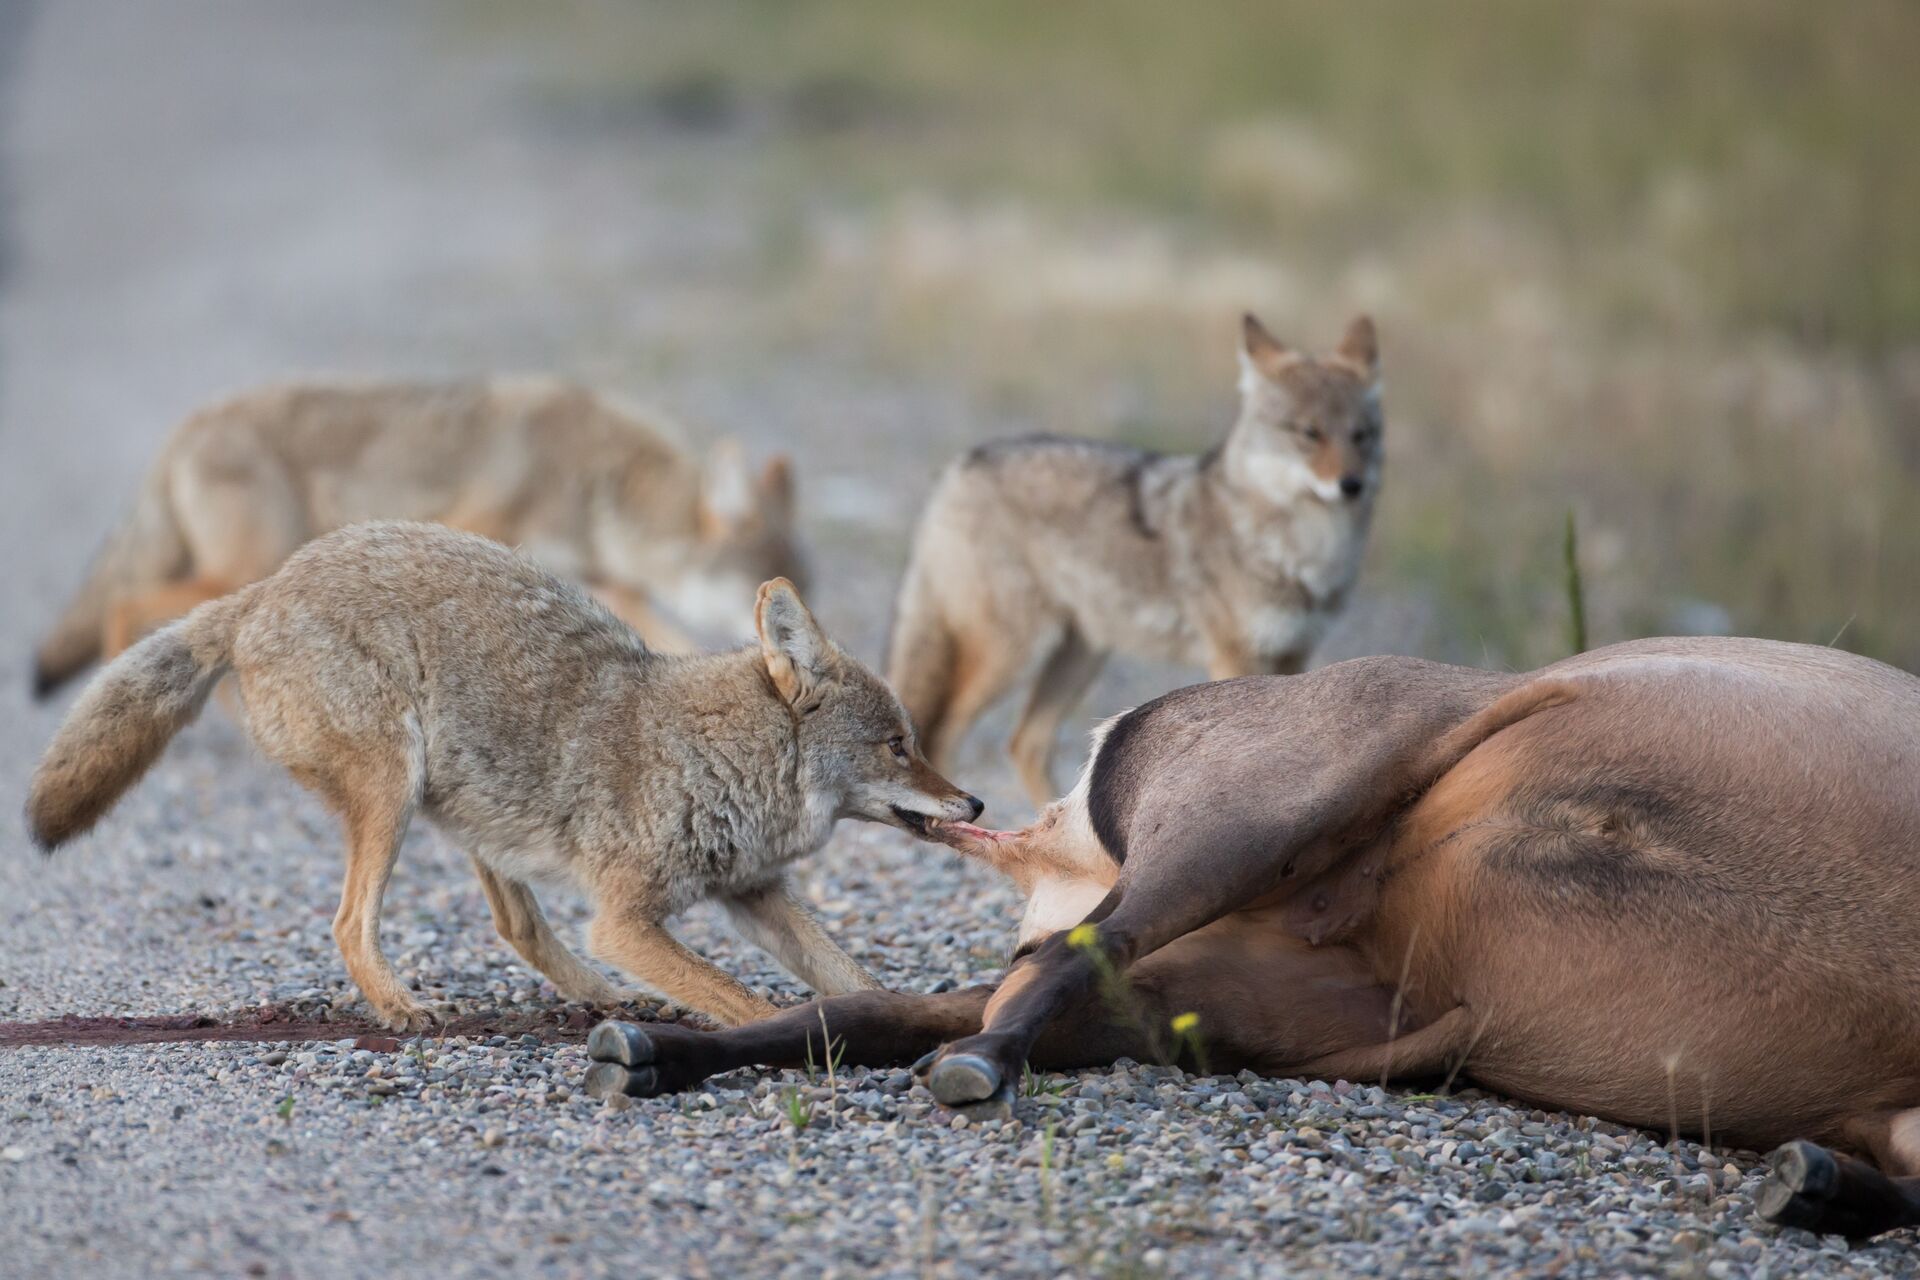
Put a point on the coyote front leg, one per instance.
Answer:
(517, 915)
(636, 943)
(779, 923)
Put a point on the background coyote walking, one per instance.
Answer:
(587, 488)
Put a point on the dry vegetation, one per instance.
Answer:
(1656, 264)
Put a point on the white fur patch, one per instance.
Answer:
(1250, 378)
(1280, 476)
(1272, 630)
(1057, 904)
(1326, 490)
(524, 862)
(1158, 619)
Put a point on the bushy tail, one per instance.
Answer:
(126, 718)
(921, 654)
(145, 551)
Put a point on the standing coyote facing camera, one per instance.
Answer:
(403, 668)
(588, 489)
(1235, 560)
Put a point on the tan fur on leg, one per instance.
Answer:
(374, 833)
(779, 923)
(517, 915)
(645, 949)
(1063, 681)
(983, 671)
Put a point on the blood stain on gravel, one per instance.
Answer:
(274, 1023)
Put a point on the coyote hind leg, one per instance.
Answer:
(376, 824)
(986, 662)
(374, 783)
(1063, 681)
(131, 617)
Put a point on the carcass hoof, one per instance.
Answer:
(1800, 1189)
(621, 1042)
(1816, 1190)
(971, 1085)
(610, 1079)
(998, 1107)
(962, 1078)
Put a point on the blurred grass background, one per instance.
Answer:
(1655, 264)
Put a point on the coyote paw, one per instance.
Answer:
(410, 1017)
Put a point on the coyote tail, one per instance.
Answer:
(145, 550)
(125, 719)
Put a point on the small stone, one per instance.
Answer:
(1691, 1241)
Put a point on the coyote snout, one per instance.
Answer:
(929, 811)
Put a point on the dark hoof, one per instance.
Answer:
(611, 1080)
(1816, 1190)
(960, 1078)
(1800, 1189)
(621, 1042)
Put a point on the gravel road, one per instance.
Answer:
(198, 196)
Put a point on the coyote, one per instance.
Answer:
(1235, 560)
(395, 668)
(587, 488)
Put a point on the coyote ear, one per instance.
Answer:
(726, 489)
(797, 652)
(1261, 354)
(776, 489)
(1360, 346)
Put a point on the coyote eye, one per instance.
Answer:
(1315, 434)
(898, 746)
